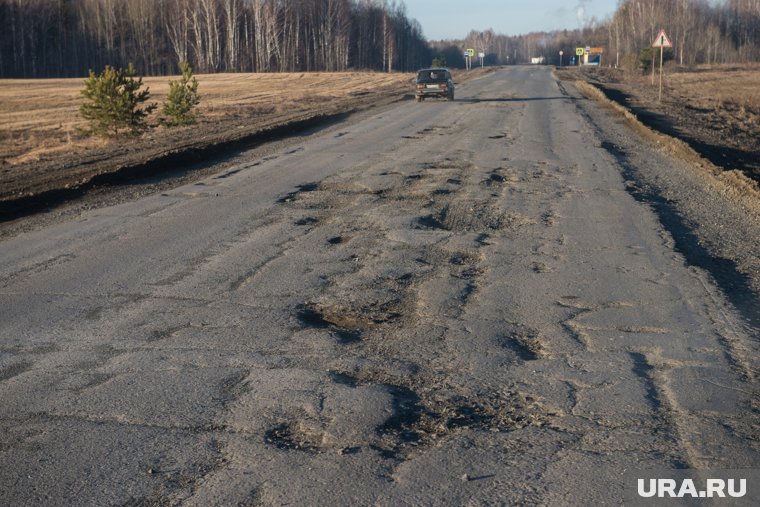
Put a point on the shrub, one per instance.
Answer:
(182, 99)
(647, 55)
(629, 62)
(112, 102)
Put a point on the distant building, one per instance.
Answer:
(593, 56)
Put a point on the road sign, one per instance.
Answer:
(468, 53)
(588, 49)
(579, 51)
(561, 53)
(481, 55)
(662, 41)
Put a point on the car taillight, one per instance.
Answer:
(443, 85)
(420, 86)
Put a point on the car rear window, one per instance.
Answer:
(428, 76)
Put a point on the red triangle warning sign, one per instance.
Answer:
(662, 41)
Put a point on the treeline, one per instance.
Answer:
(66, 38)
(701, 32)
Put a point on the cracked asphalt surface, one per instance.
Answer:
(445, 303)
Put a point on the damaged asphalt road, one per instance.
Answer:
(444, 303)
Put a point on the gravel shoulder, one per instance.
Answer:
(713, 215)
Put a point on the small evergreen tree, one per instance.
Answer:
(112, 102)
(649, 55)
(439, 61)
(182, 99)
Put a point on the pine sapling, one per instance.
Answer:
(182, 99)
(112, 102)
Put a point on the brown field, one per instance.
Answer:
(39, 118)
(728, 86)
(714, 109)
(726, 97)
(716, 85)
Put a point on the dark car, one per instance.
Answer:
(435, 82)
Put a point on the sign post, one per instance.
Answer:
(661, 42)
(482, 56)
(469, 53)
(579, 52)
(560, 57)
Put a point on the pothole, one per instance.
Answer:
(338, 240)
(419, 422)
(524, 342)
(293, 196)
(422, 416)
(289, 437)
(466, 217)
(349, 325)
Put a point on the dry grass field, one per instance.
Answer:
(39, 118)
(714, 109)
(727, 97)
(733, 87)
(720, 86)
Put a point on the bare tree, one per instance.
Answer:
(231, 10)
(69, 37)
(177, 22)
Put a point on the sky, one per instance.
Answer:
(453, 19)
